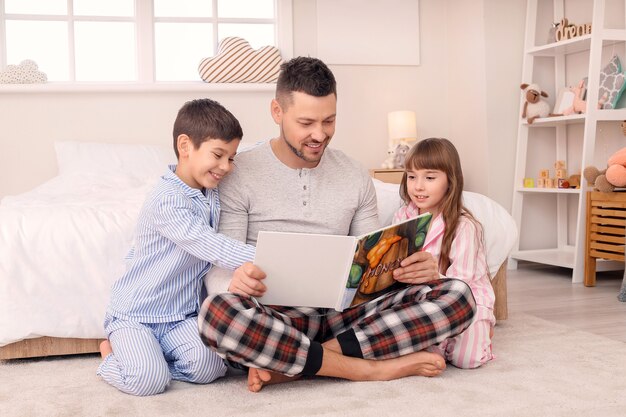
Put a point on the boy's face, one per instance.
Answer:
(307, 125)
(206, 166)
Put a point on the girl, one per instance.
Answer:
(433, 181)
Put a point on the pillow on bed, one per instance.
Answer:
(141, 161)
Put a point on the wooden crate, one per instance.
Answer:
(606, 225)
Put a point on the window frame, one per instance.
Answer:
(144, 20)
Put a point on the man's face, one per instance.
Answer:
(307, 123)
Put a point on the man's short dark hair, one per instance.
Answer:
(205, 119)
(306, 75)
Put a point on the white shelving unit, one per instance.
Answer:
(551, 222)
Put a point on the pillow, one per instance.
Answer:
(237, 62)
(611, 83)
(388, 200)
(145, 162)
(498, 225)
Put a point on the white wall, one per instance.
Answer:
(466, 89)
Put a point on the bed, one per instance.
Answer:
(63, 244)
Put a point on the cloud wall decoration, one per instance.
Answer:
(237, 62)
(27, 72)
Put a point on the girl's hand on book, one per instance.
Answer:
(419, 268)
(247, 280)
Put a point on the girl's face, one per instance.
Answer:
(427, 188)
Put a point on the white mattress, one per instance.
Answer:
(61, 247)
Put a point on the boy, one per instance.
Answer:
(151, 321)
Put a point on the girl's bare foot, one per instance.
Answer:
(105, 348)
(258, 378)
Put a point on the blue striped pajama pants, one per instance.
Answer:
(147, 356)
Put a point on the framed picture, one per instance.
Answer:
(564, 100)
(372, 32)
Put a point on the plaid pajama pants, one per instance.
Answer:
(278, 338)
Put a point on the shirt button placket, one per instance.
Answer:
(305, 189)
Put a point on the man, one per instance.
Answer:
(295, 183)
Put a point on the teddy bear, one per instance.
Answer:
(395, 156)
(534, 104)
(612, 177)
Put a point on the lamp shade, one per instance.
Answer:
(401, 125)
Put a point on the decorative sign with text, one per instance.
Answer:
(567, 30)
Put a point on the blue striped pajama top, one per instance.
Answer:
(176, 242)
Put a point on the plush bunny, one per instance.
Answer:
(395, 156)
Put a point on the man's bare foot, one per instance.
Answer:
(415, 364)
(105, 348)
(258, 378)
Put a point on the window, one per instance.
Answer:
(134, 40)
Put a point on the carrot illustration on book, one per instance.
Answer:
(384, 252)
(381, 248)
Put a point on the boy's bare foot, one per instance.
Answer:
(258, 378)
(105, 348)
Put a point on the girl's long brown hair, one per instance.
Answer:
(440, 154)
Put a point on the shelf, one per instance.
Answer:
(563, 258)
(568, 46)
(578, 44)
(601, 115)
(575, 138)
(558, 257)
(611, 115)
(557, 120)
(549, 190)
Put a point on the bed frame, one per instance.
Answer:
(49, 346)
(53, 346)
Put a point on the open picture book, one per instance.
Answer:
(330, 271)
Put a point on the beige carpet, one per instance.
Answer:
(542, 369)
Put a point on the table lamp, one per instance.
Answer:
(402, 127)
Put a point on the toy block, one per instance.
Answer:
(562, 183)
(541, 183)
(561, 173)
(544, 173)
(529, 183)
(559, 165)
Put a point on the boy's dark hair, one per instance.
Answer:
(306, 75)
(205, 119)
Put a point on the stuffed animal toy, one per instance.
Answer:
(574, 181)
(579, 105)
(613, 176)
(534, 104)
(395, 156)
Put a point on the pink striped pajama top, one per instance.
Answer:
(468, 262)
